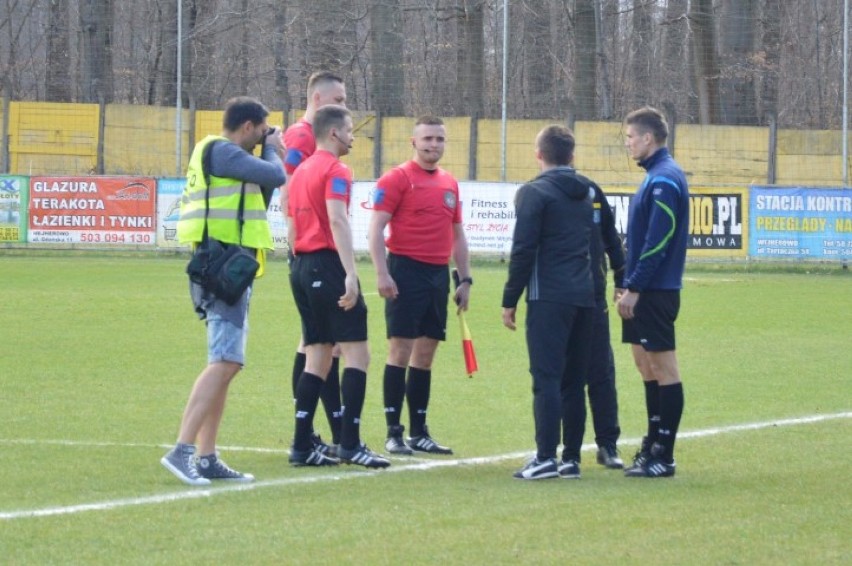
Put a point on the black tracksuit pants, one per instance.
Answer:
(558, 341)
(603, 399)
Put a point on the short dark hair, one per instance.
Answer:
(240, 109)
(322, 77)
(556, 144)
(648, 119)
(328, 117)
(428, 120)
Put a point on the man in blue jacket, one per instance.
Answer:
(658, 223)
(550, 259)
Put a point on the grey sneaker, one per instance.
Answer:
(213, 468)
(608, 456)
(394, 444)
(180, 461)
(569, 469)
(537, 469)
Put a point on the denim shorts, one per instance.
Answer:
(226, 339)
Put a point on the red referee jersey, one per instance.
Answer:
(424, 206)
(299, 143)
(320, 178)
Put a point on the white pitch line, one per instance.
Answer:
(420, 466)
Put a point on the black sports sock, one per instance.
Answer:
(652, 404)
(298, 367)
(353, 386)
(307, 397)
(394, 393)
(671, 409)
(417, 391)
(330, 397)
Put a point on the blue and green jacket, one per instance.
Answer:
(658, 226)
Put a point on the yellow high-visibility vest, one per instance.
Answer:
(224, 202)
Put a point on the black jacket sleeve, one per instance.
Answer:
(528, 206)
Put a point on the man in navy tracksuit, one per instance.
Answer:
(550, 259)
(600, 379)
(657, 232)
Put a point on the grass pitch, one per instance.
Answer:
(99, 354)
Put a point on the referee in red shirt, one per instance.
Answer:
(324, 87)
(328, 295)
(419, 203)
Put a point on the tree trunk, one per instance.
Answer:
(282, 99)
(58, 78)
(96, 19)
(471, 57)
(537, 51)
(585, 50)
(706, 65)
(769, 60)
(606, 112)
(677, 68)
(641, 68)
(737, 91)
(387, 51)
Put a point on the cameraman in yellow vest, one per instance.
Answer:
(219, 179)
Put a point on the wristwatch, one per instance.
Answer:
(468, 280)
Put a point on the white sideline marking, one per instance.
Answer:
(195, 493)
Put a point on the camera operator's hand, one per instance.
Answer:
(273, 139)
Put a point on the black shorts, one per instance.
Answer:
(318, 281)
(420, 309)
(652, 325)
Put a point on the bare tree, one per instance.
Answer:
(282, 98)
(96, 20)
(471, 54)
(58, 78)
(537, 67)
(768, 59)
(641, 49)
(603, 62)
(736, 38)
(706, 65)
(387, 51)
(585, 52)
(677, 69)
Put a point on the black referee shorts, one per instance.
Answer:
(653, 320)
(420, 309)
(318, 280)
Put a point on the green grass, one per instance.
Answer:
(99, 353)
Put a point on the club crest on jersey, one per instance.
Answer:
(450, 199)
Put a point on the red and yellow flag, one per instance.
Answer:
(467, 347)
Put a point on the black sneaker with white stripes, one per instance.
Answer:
(329, 450)
(312, 457)
(655, 466)
(652, 468)
(394, 444)
(425, 443)
(362, 456)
